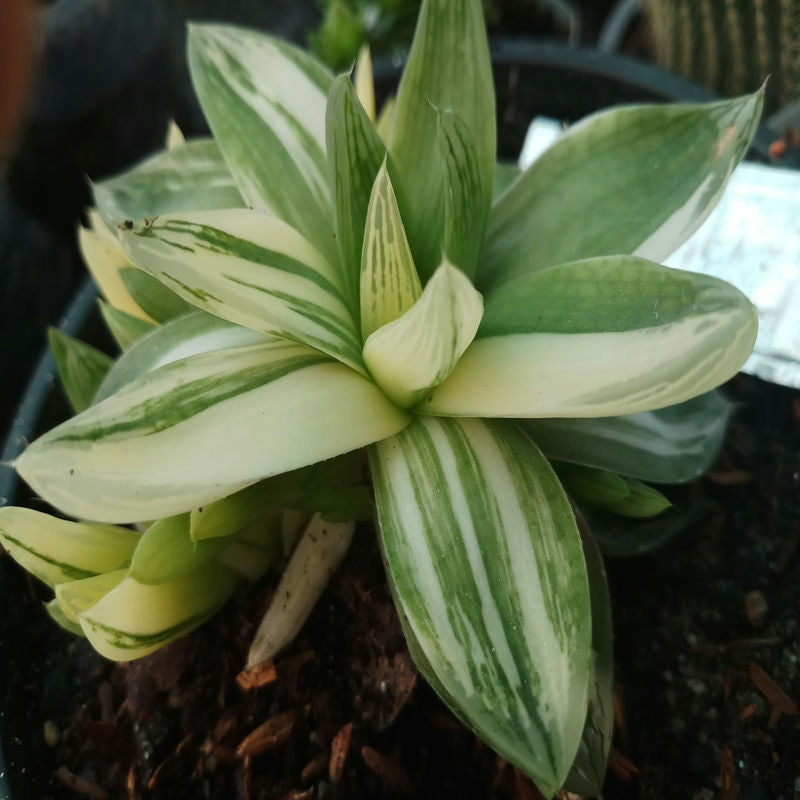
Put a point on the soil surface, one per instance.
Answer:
(707, 651)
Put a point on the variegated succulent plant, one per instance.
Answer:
(334, 292)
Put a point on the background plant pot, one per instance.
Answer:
(531, 79)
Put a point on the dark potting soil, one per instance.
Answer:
(706, 642)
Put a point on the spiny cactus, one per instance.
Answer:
(731, 46)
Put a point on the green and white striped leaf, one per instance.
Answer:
(188, 335)
(155, 299)
(105, 258)
(81, 367)
(355, 153)
(198, 429)
(610, 491)
(467, 194)
(670, 445)
(75, 597)
(448, 69)
(316, 557)
(123, 327)
(56, 550)
(166, 551)
(600, 337)
(191, 177)
(134, 619)
(589, 195)
(60, 618)
(251, 269)
(264, 101)
(390, 284)
(419, 350)
(588, 772)
(485, 562)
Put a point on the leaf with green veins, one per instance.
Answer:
(104, 258)
(254, 88)
(419, 350)
(486, 566)
(588, 771)
(467, 196)
(80, 366)
(607, 490)
(160, 302)
(166, 551)
(191, 177)
(633, 337)
(253, 270)
(448, 68)
(669, 445)
(389, 282)
(134, 619)
(75, 597)
(57, 550)
(355, 154)
(188, 335)
(588, 195)
(60, 618)
(125, 328)
(146, 452)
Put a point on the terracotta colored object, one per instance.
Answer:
(17, 20)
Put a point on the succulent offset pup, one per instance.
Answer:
(325, 283)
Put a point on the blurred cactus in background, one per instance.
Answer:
(730, 46)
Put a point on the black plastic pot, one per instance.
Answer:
(532, 78)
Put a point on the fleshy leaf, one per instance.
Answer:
(230, 514)
(670, 445)
(385, 120)
(588, 771)
(191, 177)
(81, 368)
(607, 490)
(417, 351)
(189, 335)
(145, 452)
(56, 550)
(467, 196)
(256, 548)
(125, 328)
(251, 269)
(60, 618)
(485, 563)
(448, 68)
(588, 195)
(135, 619)
(159, 302)
(601, 337)
(166, 551)
(313, 561)
(389, 281)
(264, 101)
(75, 597)
(355, 153)
(364, 83)
(104, 258)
